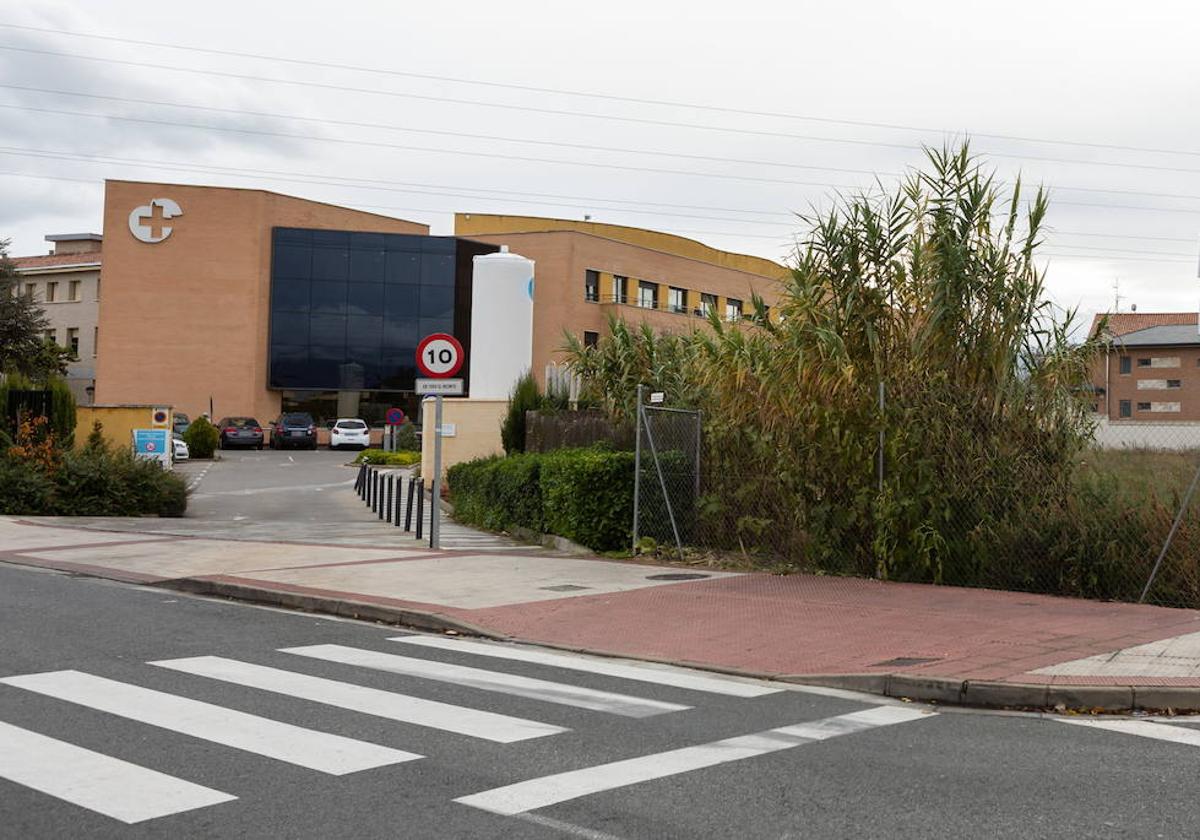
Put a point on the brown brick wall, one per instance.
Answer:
(1125, 386)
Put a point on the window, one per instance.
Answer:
(1125, 409)
(591, 285)
(676, 299)
(620, 289)
(647, 295)
(1127, 364)
(708, 305)
(73, 339)
(51, 292)
(1144, 406)
(30, 288)
(733, 309)
(590, 339)
(95, 340)
(1143, 363)
(73, 290)
(50, 335)
(1174, 383)
(1164, 361)
(97, 288)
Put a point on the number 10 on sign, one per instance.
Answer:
(439, 355)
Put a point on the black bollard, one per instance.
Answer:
(408, 503)
(420, 507)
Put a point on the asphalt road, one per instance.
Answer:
(119, 747)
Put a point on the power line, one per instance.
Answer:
(522, 158)
(593, 94)
(378, 92)
(536, 142)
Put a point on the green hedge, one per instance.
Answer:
(585, 495)
(91, 482)
(389, 459)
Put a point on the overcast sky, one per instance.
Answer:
(477, 107)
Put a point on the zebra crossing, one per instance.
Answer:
(132, 793)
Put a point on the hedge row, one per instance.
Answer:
(585, 495)
(88, 482)
(378, 457)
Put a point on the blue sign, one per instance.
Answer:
(394, 417)
(152, 443)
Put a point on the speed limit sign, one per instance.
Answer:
(439, 355)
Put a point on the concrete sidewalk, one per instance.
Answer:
(925, 642)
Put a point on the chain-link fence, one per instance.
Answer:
(667, 476)
(1114, 515)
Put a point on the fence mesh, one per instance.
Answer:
(1014, 514)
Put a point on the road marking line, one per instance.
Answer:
(550, 692)
(566, 827)
(118, 789)
(1141, 728)
(561, 787)
(371, 701)
(658, 674)
(282, 741)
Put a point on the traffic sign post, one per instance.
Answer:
(439, 357)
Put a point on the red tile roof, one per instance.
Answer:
(1121, 323)
(52, 260)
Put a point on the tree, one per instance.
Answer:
(23, 346)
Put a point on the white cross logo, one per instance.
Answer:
(148, 222)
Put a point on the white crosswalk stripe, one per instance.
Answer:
(372, 701)
(641, 672)
(309, 748)
(550, 692)
(561, 787)
(1141, 728)
(118, 789)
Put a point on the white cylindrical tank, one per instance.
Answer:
(501, 322)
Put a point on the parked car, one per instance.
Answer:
(349, 431)
(240, 431)
(180, 422)
(181, 451)
(294, 428)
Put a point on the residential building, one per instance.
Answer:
(1151, 370)
(66, 284)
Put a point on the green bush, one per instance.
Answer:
(91, 481)
(498, 492)
(585, 495)
(406, 438)
(388, 459)
(202, 438)
(525, 396)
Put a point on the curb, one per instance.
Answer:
(344, 607)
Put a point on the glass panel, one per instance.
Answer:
(401, 301)
(289, 328)
(367, 266)
(329, 330)
(330, 263)
(437, 270)
(364, 299)
(292, 261)
(437, 302)
(329, 298)
(403, 267)
(289, 294)
(364, 330)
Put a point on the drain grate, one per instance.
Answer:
(564, 587)
(900, 661)
(677, 576)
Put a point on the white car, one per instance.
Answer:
(349, 431)
(181, 452)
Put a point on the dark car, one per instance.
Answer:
(294, 428)
(240, 431)
(180, 422)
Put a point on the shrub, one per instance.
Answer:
(587, 496)
(62, 412)
(525, 396)
(406, 438)
(497, 492)
(202, 438)
(388, 459)
(24, 489)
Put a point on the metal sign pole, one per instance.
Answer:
(637, 466)
(435, 508)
